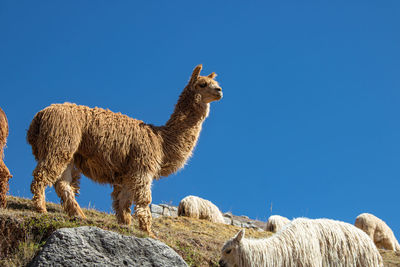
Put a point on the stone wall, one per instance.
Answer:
(241, 221)
(163, 210)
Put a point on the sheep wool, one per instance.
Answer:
(196, 207)
(378, 231)
(276, 223)
(111, 148)
(305, 243)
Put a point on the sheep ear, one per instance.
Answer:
(196, 73)
(212, 75)
(239, 236)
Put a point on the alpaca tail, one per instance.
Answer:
(33, 133)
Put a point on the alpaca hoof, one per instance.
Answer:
(77, 214)
(151, 235)
(40, 209)
(78, 217)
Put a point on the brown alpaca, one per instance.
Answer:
(4, 172)
(111, 148)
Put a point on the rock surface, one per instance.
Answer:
(241, 221)
(163, 210)
(92, 246)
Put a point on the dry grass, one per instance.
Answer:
(197, 241)
(391, 258)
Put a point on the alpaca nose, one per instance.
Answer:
(218, 89)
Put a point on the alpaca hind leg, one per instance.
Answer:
(66, 190)
(76, 177)
(122, 202)
(45, 174)
(4, 185)
(142, 200)
(38, 199)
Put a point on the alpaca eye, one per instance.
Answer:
(228, 251)
(203, 85)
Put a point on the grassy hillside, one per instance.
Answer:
(197, 241)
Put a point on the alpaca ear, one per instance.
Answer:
(212, 75)
(196, 73)
(239, 236)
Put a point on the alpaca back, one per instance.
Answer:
(276, 223)
(312, 243)
(378, 231)
(104, 144)
(196, 207)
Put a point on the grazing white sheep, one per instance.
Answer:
(378, 231)
(305, 243)
(275, 223)
(196, 207)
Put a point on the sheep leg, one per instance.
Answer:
(142, 200)
(66, 190)
(122, 201)
(4, 177)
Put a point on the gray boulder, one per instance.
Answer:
(92, 246)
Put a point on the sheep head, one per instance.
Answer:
(230, 253)
(206, 87)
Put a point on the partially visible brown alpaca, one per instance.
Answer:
(4, 172)
(112, 148)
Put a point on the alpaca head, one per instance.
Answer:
(207, 89)
(230, 253)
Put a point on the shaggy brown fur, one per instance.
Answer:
(115, 149)
(4, 172)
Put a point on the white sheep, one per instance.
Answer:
(378, 231)
(196, 207)
(275, 223)
(305, 243)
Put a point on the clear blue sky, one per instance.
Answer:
(309, 122)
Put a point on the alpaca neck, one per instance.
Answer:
(181, 132)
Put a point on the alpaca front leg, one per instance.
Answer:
(142, 199)
(122, 201)
(143, 214)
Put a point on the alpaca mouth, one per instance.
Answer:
(219, 95)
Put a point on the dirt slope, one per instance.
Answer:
(197, 241)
